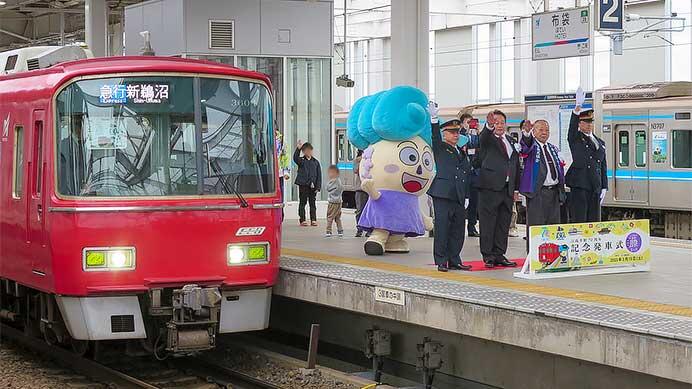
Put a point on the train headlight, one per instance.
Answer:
(108, 258)
(247, 253)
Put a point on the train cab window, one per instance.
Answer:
(144, 136)
(640, 148)
(624, 148)
(18, 181)
(682, 149)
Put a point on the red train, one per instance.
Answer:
(138, 200)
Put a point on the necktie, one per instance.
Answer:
(551, 163)
(502, 143)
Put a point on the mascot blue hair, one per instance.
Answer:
(393, 128)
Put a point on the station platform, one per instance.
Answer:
(637, 321)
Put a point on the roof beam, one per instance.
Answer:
(15, 35)
(19, 5)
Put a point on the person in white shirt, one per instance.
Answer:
(543, 177)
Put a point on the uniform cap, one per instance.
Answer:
(451, 125)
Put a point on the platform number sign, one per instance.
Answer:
(610, 15)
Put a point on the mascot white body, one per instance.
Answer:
(393, 129)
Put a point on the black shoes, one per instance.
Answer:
(503, 261)
(473, 233)
(459, 266)
(489, 262)
(453, 266)
(359, 234)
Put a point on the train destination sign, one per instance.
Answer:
(560, 34)
(136, 93)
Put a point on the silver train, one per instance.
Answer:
(648, 133)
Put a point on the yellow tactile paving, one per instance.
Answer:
(504, 284)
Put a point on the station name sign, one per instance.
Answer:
(560, 34)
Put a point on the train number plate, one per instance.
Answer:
(391, 296)
(250, 231)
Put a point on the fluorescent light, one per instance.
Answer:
(3, 3)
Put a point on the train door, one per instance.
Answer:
(640, 168)
(631, 163)
(34, 195)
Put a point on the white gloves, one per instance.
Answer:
(433, 110)
(603, 193)
(466, 203)
(581, 97)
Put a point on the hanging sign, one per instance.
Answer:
(610, 15)
(566, 250)
(560, 34)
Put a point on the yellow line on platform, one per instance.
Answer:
(504, 284)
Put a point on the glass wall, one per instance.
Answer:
(274, 68)
(308, 104)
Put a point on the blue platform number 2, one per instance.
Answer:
(610, 15)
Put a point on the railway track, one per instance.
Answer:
(142, 373)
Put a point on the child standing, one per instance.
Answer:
(334, 190)
(309, 181)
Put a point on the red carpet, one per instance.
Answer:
(480, 266)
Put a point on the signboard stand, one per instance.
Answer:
(568, 250)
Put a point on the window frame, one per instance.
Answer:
(672, 149)
(646, 146)
(619, 134)
(18, 174)
(193, 76)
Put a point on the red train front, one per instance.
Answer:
(139, 200)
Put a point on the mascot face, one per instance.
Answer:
(403, 166)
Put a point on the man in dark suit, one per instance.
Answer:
(543, 178)
(448, 191)
(586, 177)
(498, 185)
(472, 149)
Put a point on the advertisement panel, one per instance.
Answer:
(565, 250)
(561, 33)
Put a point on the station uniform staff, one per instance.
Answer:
(449, 191)
(498, 185)
(543, 177)
(586, 177)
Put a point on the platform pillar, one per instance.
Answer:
(96, 26)
(411, 43)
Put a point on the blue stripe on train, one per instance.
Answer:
(637, 117)
(653, 175)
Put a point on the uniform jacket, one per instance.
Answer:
(309, 171)
(495, 166)
(453, 168)
(536, 167)
(589, 168)
(474, 144)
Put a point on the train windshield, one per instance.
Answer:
(164, 136)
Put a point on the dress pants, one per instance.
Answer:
(361, 200)
(472, 211)
(542, 209)
(585, 206)
(450, 220)
(306, 195)
(495, 215)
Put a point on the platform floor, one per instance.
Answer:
(668, 283)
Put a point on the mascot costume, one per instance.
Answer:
(393, 128)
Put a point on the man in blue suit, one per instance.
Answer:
(449, 191)
(543, 179)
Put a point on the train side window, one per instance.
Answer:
(342, 147)
(18, 181)
(38, 157)
(624, 148)
(682, 149)
(640, 148)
